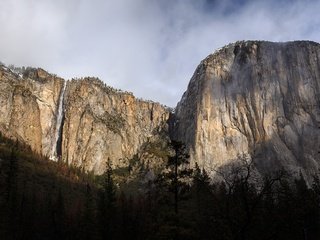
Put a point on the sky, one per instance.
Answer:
(148, 47)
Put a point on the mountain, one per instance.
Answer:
(83, 121)
(255, 100)
(249, 100)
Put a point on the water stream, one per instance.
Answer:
(60, 115)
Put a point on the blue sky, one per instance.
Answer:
(149, 47)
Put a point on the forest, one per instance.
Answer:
(42, 199)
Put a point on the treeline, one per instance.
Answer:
(41, 199)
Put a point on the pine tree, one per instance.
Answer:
(88, 225)
(107, 202)
(59, 216)
(12, 193)
(12, 179)
(178, 173)
(203, 210)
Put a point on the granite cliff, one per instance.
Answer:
(102, 123)
(255, 100)
(82, 122)
(28, 107)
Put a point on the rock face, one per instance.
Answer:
(28, 106)
(83, 122)
(255, 99)
(101, 123)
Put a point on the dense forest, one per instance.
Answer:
(42, 199)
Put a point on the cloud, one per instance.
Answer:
(148, 47)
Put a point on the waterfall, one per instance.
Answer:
(58, 129)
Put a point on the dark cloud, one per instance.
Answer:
(149, 47)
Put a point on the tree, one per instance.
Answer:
(59, 216)
(12, 179)
(245, 191)
(171, 188)
(107, 202)
(309, 213)
(88, 225)
(203, 203)
(178, 171)
(12, 193)
(201, 189)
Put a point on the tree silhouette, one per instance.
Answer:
(107, 202)
(178, 174)
(88, 225)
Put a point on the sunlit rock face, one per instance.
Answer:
(28, 106)
(102, 123)
(81, 122)
(255, 99)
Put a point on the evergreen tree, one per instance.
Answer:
(88, 226)
(178, 172)
(59, 216)
(309, 213)
(12, 193)
(173, 187)
(203, 208)
(12, 179)
(107, 202)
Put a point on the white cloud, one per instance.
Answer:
(149, 47)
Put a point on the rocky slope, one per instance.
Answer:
(83, 122)
(257, 100)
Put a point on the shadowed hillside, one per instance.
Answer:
(42, 199)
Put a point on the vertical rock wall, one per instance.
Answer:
(255, 99)
(102, 123)
(28, 105)
(83, 122)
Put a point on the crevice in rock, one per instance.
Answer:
(151, 114)
(172, 123)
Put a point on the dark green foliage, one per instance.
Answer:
(59, 216)
(179, 173)
(89, 224)
(107, 207)
(41, 199)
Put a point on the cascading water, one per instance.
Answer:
(59, 120)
